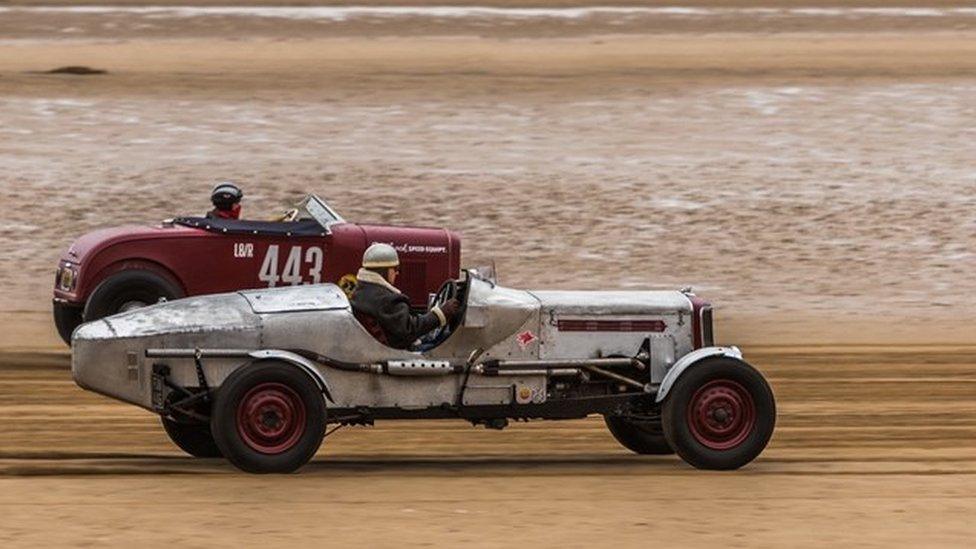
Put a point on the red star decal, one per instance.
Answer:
(525, 338)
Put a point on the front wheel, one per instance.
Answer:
(129, 290)
(66, 319)
(268, 417)
(719, 414)
(640, 437)
(192, 437)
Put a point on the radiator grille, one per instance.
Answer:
(708, 335)
(413, 282)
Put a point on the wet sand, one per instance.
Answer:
(873, 447)
(826, 190)
(502, 21)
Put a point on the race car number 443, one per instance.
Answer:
(296, 262)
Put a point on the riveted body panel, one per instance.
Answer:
(504, 325)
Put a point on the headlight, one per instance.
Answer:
(67, 277)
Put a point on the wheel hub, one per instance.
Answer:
(721, 414)
(271, 418)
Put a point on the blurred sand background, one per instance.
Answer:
(807, 165)
(809, 169)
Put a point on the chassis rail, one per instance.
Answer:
(556, 409)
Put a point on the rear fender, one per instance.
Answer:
(299, 362)
(690, 360)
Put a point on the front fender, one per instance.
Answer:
(690, 360)
(296, 360)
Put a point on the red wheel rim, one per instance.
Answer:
(721, 414)
(271, 418)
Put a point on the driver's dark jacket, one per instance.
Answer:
(390, 312)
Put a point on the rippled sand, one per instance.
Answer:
(873, 447)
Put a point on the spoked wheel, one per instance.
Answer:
(268, 418)
(193, 438)
(66, 319)
(719, 414)
(640, 437)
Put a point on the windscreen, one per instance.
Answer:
(313, 207)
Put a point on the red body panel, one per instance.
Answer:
(610, 325)
(204, 262)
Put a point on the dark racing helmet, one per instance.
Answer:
(226, 195)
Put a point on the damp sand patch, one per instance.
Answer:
(77, 70)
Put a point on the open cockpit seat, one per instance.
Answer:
(371, 326)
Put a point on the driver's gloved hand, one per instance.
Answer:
(450, 309)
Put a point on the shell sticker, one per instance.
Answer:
(348, 284)
(525, 338)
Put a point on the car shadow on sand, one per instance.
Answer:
(475, 465)
(84, 464)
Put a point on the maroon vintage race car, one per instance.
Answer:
(113, 270)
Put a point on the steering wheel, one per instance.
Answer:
(447, 292)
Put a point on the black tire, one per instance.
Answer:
(640, 437)
(719, 414)
(128, 287)
(66, 319)
(193, 438)
(291, 424)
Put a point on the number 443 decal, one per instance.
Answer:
(310, 260)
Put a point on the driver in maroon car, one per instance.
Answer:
(384, 311)
(226, 198)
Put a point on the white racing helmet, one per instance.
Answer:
(380, 255)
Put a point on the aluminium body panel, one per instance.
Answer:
(108, 355)
(318, 297)
(313, 318)
(507, 324)
(494, 318)
(358, 389)
(594, 324)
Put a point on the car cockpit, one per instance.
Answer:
(450, 289)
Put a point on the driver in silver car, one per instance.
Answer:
(384, 311)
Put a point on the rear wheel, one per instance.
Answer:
(129, 290)
(192, 437)
(268, 418)
(640, 437)
(719, 414)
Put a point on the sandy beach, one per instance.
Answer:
(877, 455)
(831, 181)
(808, 166)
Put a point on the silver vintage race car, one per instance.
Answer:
(256, 376)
